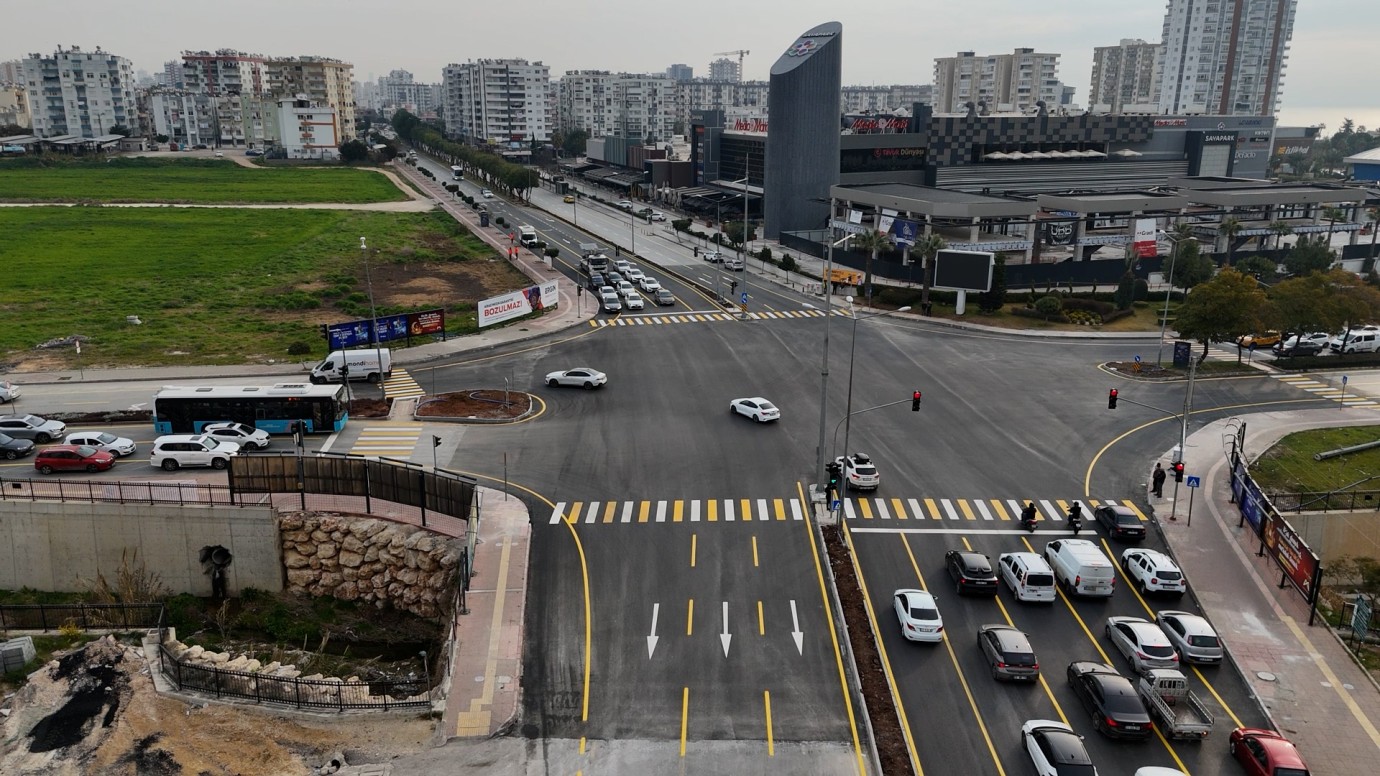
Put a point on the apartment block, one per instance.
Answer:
(14, 105)
(307, 129)
(75, 92)
(1004, 83)
(1124, 77)
(1225, 58)
(628, 105)
(884, 99)
(224, 71)
(319, 80)
(725, 70)
(497, 101)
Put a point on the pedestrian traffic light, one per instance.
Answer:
(834, 470)
(1178, 467)
(915, 402)
(325, 331)
(1111, 399)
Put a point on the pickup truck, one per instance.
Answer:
(1177, 710)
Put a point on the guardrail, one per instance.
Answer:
(49, 617)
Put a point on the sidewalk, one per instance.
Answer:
(1303, 677)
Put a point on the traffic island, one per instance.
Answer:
(481, 406)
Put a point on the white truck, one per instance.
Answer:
(1178, 711)
(372, 364)
(1081, 567)
(527, 235)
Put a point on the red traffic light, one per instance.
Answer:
(915, 402)
(1178, 467)
(1111, 399)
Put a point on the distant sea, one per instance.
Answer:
(1330, 116)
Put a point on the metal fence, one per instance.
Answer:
(181, 493)
(49, 617)
(318, 694)
(1344, 501)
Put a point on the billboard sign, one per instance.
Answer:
(517, 304)
(1144, 241)
(905, 232)
(390, 327)
(1299, 563)
(963, 270)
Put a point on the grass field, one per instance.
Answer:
(1288, 467)
(188, 181)
(222, 286)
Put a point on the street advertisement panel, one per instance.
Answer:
(426, 322)
(1144, 240)
(905, 232)
(390, 327)
(517, 304)
(1248, 497)
(1294, 557)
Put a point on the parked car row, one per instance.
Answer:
(1360, 339)
(618, 288)
(96, 451)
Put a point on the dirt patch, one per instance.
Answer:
(881, 707)
(95, 710)
(487, 405)
(370, 408)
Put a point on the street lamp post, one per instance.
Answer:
(373, 311)
(853, 347)
(1164, 318)
(824, 367)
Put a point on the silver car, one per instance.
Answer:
(1192, 636)
(40, 430)
(101, 440)
(1142, 642)
(1008, 652)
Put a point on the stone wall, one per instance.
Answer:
(363, 559)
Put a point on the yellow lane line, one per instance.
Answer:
(754, 552)
(761, 621)
(694, 544)
(771, 744)
(809, 524)
(690, 617)
(953, 658)
(684, 717)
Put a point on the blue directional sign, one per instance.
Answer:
(1193, 482)
(1137, 359)
(835, 505)
(743, 298)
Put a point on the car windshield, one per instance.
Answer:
(1020, 659)
(86, 451)
(106, 439)
(5, 439)
(1204, 641)
(1290, 772)
(1125, 519)
(1167, 575)
(1157, 650)
(211, 442)
(924, 613)
(33, 420)
(1039, 580)
(766, 405)
(867, 470)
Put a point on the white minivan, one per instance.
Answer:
(372, 364)
(1081, 567)
(1028, 575)
(1359, 342)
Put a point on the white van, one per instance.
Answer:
(372, 364)
(527, 235)
(1028, 575)
(1081, 567)
(1359, 342)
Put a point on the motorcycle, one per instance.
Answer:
(1028, 522)
(1076, 524)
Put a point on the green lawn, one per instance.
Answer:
(189, 181)
(1288, 467)
(223, 286)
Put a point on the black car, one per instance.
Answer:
(972, 572)
(1120, 522)
(1300, 348)
(597, 281)
(1110, 697)
(13, 448)
(663, 297)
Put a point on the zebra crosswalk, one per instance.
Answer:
(391, 440)
(745, 510)
(1324, 391)
(400, 385)
(708, 316)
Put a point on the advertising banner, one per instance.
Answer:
(390, 327)
(517, 304)
(905, 232)
(884, 220)
(1299, 563)
(1145, 238)
(426, 322)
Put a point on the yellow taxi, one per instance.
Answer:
(569, 198)
(1265, 340)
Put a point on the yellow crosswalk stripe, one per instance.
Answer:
(966, 510)
(999, 508)
(713, 511)
(898, 509)
(866, 508)
(933, 509)
(676, 511)
(643, 509)
(780, 507)
(745, 511)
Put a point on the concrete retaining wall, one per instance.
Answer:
(1337, 534)
(55, 545)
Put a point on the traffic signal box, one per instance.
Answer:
(1111, 399)
(915, 402)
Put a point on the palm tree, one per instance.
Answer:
(1230, 228)
(1332, 215)
(1374, 214)
(927, 246)
(873, 242)
(1280, 229)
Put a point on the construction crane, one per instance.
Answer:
(741, 53)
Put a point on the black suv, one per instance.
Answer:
(1120, 522)
(597, 281)
(972, 572)
(1116, 708)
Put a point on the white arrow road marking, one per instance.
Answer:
(796, 633)
(724, 637)
(652, 639)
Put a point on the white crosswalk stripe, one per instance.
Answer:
(400, 385)
(393, 440)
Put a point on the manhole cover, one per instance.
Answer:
(1265, 676)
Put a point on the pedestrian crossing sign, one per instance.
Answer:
(836, 505)
(1193, 482)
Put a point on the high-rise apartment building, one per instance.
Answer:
(11, 71)
(75, 92)
(725, 70)
(884, 99)
(497, 101)
(321, 80)
(1224, 57)
(224, 71)
(1123, 77)
(680, 72)
(1004, 82)
(627, 105)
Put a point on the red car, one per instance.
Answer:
(1265, 753)
(60, 458)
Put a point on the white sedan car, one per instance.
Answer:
(1142, 642)
(244, 435)
(919, 615)
(633, 301)
(1153, 572)
(756, 407)
(581, 377)
(101, 440)
(486, 194)
(649, 285)
(1055, 749)
(635, 275)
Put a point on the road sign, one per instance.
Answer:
(1137, 359)
(835, 505)
(1193, 482)
(1343, 379)
(743, 297)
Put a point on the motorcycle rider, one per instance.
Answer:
(1028, 516)
(1076, 517)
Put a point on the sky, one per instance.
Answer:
(884, 41)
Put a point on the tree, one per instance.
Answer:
(121, 130)
(994, 299)
(1262, 269)
(574, 142)
(926, 247)
(1374, 214)
(1222, 309)
(354, 151)
(1308, 256)
(873, 242)
(1190, 266)
(1125, 291)
(1230, 228)
(1280, 229)
(1332, 215)
(735, 229)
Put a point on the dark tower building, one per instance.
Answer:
(803, 144)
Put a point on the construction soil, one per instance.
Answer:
(485, 405)
(95, 710)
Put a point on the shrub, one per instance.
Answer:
(1049, 306)
(1142, 291)
(681, 224)
(788, 263)
(298, 348)
(553, 252)
(764, 254)
(1094, 306)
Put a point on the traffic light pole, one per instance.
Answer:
(835, 445)
(1183, 424)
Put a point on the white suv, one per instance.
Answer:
(1153, 571)
(245, 436)
(177, 450)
